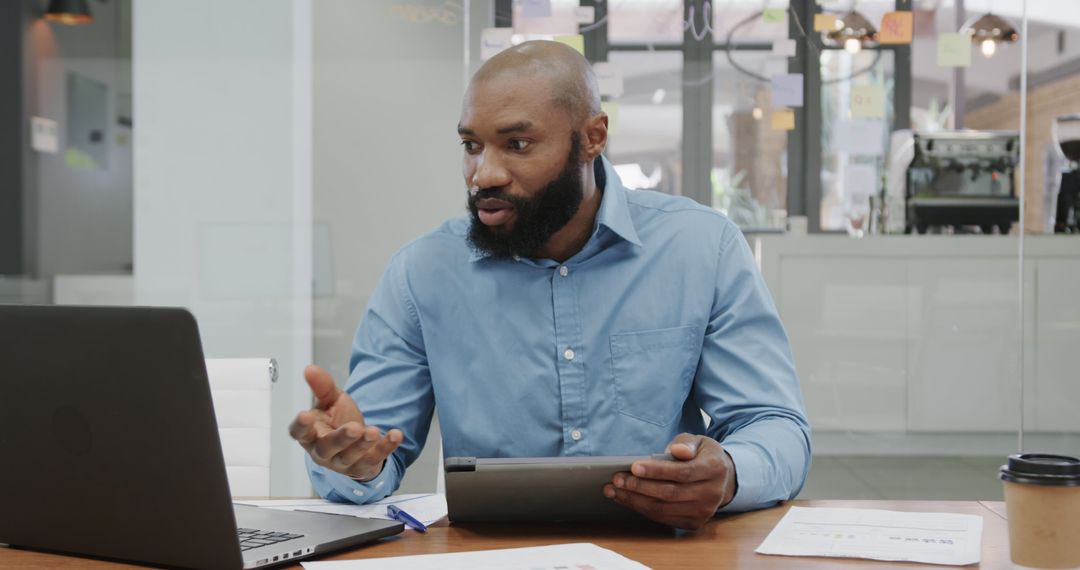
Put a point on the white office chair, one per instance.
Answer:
(241, 392)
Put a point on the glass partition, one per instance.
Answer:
(260, 167)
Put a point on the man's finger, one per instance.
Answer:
(365, 458)
(302, 429)
(679, 515)
(663, 490)
(322, 386)
(333, 442)
(684, 446)
(677, 471)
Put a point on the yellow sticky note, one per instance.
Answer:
(953, 50)
(576, 41)
(611, 108)
(783, 120)
(824, 22)
(773, 15)
(867, 102)
(896, 28)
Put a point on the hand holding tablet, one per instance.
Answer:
(683, 492)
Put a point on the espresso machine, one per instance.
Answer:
(952, 180)
(1066, 135)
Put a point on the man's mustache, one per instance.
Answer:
(499, 193)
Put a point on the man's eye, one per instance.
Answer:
(470, 146)
(519, 144)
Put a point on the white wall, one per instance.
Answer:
(222, 186)
(388, 80)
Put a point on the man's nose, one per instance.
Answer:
(489, 173)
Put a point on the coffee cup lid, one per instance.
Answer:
(1042, 469)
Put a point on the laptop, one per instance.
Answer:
(111, 448)
(536, 489)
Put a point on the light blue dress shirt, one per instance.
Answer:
(663, 314)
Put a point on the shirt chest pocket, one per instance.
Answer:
(652, 371)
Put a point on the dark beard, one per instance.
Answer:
(538, 218)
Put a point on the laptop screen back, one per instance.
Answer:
(108, 437)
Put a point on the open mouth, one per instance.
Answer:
(493, 212)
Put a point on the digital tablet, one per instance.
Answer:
(531, 489)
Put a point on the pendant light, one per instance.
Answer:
(853, 32)
(70, 12)
(990, 30)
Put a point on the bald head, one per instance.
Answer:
(554, 65)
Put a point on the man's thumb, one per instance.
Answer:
(322, 386)
(684, 447)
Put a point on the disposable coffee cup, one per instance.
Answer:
(1042, 496)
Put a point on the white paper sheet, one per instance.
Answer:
(584, 555)
(424, 507)
(930, 538)
(860, 136)
(536, 8)
(787, 90)
(609, 77)
(585, 14)
(494, 40)
(283, 504)
(860, 182)
(785, 47)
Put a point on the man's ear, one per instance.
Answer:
(596, 131)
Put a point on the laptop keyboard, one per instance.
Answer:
(254, 538)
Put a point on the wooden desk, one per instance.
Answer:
(727, 542)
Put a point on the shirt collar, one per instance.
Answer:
(614, 214)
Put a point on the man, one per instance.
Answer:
(567, 316)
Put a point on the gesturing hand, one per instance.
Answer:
(334, 433)
(684, 493)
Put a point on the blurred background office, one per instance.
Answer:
(902, 172)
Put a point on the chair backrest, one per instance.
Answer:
(241, 393)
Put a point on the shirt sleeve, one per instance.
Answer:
(746, 383)
(390, 381)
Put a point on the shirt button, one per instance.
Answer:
(575, 435)
(564, 271)
(358, 492)
(569, 354)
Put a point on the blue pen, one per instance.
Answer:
(399, 515)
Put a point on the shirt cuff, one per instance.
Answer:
(751, 474)
(335, 486)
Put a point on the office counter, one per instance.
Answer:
(897, 334)
(727, 542)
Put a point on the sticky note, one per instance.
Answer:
(865, 137)
(494, 40)
(896, 28)
(787, 90)
(611, 108)
(576, 41)
(585, 14)
(824, 22)
(867, 102)
(773, 15)
(953, 50)
(609, 76)
(536, 8)
(783, 120)
(43, 136)
(784, 47)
